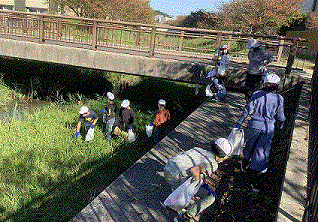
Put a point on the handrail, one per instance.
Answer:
(152, 38)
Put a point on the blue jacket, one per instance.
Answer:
(263, 108)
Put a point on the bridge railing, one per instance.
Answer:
(152, 40)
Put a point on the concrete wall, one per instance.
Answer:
(123, 63)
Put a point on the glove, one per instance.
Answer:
(210, 191)
(150, 124)
(77, 134)
(92, 126)
(238, 126)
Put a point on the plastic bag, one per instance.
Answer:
(181, 197)
(149, 130)
(208, 91)
(131, 136)
(236, 138)
(89, 135)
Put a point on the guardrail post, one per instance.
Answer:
(94, 37)
(181, 40)
(280, 50)
(138, 36)
(152, 42)
(41, 28)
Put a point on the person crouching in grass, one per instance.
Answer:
(89, 117)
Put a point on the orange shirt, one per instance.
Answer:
(162, 118)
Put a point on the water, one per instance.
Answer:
(18, 110)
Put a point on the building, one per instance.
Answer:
(311, 6)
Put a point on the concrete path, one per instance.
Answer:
(292, 202)
(138, 194)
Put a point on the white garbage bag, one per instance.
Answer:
(181, 197)
(131, 136)
(149, 130)
(89, 135)
(236, 138)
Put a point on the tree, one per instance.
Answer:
(260, 16)
(123, 10)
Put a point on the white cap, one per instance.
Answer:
(83, 110)
(225, 47)
(162, 102)
(125, 103)
(225, 145)
(110, 96)
(211, 74)
(272, 78)
(252, 43)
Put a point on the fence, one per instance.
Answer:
(153, 40)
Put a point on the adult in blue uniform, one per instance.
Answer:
(257, 59)
(264, 106)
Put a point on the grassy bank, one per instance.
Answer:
(48, 175)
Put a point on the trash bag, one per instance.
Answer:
(89, 135)
(181, 197)
(208, 91)
(149, 130)
(131, 136)
(236, 139)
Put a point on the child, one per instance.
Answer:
(109, 115)
(216, 89)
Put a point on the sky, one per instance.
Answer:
(185, 7)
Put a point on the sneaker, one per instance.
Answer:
(183, 217)
(255, 187)
(244, 165)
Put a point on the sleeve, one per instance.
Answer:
(248, 110)
(280, 113)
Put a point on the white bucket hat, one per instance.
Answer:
(272, 78)
(162, 102)
(125, 103)
(83, 110)
(211, 74)
(225, 145)
(110, 96)
(252, 43)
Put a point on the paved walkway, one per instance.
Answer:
(138, 193)
(292, 203)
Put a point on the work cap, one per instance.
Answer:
(125, 103)
(272, 78)
(162, 102)
(110, 96)
(225, 145)
(225, 47)
(211, 74)
(83, 110)
(252, 43)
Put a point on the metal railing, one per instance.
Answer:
(153, 40)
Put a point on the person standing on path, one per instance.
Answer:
(89, 117)
(264, 106)
(109, 115)
(258, 58)
(161, 120)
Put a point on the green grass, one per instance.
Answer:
(48, 175)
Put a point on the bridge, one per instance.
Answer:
(174, 53)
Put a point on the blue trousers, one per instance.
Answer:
(257, 148)
(156, 134)
(109, 128)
